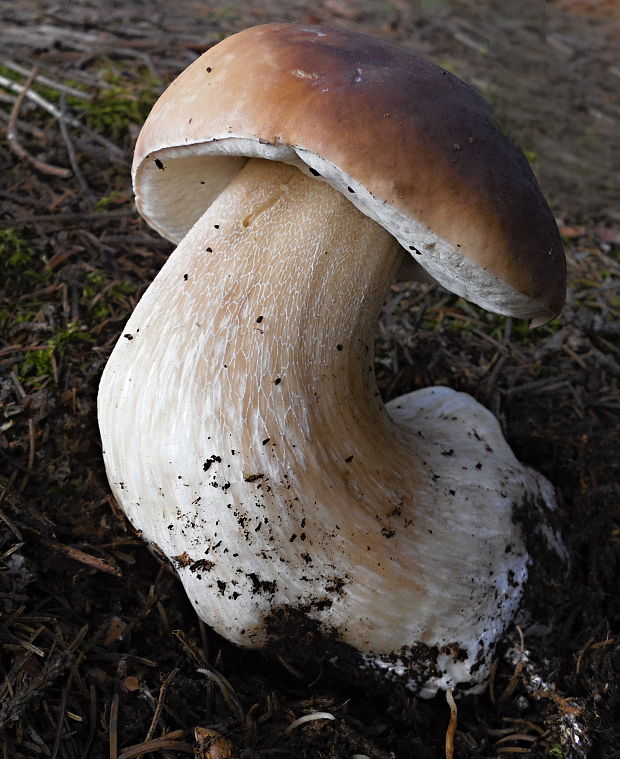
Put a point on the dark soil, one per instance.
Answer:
(101, 651)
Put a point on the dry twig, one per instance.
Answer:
(226, 689)
(63, 706)
(25, 91)
(54, 84)
(64, 131)
(308, 718)
(61, 219)
(113, 727)
(94, 562)
(16, 147)
(167, 742)
(160, 704)
(451, 731)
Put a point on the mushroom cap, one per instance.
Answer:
(411, 145)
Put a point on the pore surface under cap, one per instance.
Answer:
(411, 145)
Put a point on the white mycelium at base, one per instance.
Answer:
(244, 435)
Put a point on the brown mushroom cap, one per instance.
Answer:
(413, 146)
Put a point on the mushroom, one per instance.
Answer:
(296, 167)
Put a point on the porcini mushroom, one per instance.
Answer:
(242, 430)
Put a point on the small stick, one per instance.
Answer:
(603, 643)
(159, 744)
(492, 694)
(69, 146)
(6, 519)
(113, 728)
(21, 349)
(451, 731)
(308, 718)
(203, 638)
(25, 126)
(18, 385)
(11, 136)
(64, 218)
(10, 551)
(92, 728)
(94, 562)
(25, 91)
(160, 704)
(514, 680)
(32, 443)
(9, 84)
(231, 698)
(581, 653)
(81, 94)
(62, 710)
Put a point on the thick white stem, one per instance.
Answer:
(244, 435)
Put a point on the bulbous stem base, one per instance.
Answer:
(244, 435)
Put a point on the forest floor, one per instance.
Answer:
(100, 648)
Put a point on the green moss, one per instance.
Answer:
(14, 249)
(8, 73)
(20, 267)
(100, 297)
(95, 281)
(121, 103)
(451, 66)
(38, 364)
(521, 331)
(110, 200)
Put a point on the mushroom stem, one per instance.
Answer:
(244, 435)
